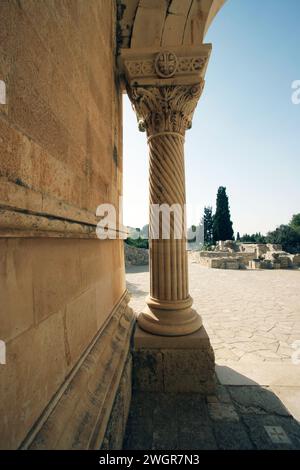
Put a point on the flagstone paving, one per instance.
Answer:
(253, 321)
(227, 420)
(248, 315)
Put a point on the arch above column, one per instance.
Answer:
(164, 23)
(162, 62)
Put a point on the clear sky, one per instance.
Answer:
(246, 130)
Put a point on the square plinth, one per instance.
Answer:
(173, 364)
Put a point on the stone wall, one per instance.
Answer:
(136, 256)
(60, 157)
(221, 260)
(60, 128)
(116, 427)
(232, 255)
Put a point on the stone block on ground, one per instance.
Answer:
(173, 364)
(232, 436)
(258, 427)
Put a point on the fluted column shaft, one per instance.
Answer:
(168, 259)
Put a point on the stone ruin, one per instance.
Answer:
(136, 256)
(233, 255)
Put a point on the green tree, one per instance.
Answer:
(208, 225)
(238, 237)
(222, 225)
(254, 238)
(286, 236)
(295, 223)
(138, 243)
(246, 238)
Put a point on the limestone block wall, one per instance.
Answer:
(60, 157)
(221, 259)
(60, 127)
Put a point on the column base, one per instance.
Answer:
(167, 318)
(181, 365)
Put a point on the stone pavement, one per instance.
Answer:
(248, 315)
(253, 321)
(235, 418)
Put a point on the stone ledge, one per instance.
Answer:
(144, 340)
(173, 364)
(25, 212)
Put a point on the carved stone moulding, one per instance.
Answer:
(161, 67)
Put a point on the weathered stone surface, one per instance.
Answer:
(188, 371)
(136, 256)
(36, 366)
(197, 340)
(251, 318)
(79, 416)
(169, 421)
(201, 439)
(232, 436)
(256, 308)
(295, 259)
(57, 122)
(177, 421)
(222, 412)
(257, 400)
(232, 255)
(72, 284)
(169, 364)
(148, 370)
(154, 23)
(114, 435)
(16, 293)
(164, 429)
(261, 440)
(60, 157)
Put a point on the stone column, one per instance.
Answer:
(164, 90)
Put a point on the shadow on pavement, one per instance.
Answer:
(241, 417)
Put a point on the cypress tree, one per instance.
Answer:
(208, 225)
(222, 225)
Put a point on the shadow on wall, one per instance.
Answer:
(246, 416)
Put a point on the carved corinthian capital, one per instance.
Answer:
(165, 108)
(165, 85)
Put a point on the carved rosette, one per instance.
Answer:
(165, 108)
(167, 64)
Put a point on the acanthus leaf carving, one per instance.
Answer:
(165, 108)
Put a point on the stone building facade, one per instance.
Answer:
(64, 314)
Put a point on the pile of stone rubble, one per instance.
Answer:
(233, 255)
(135, 256)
